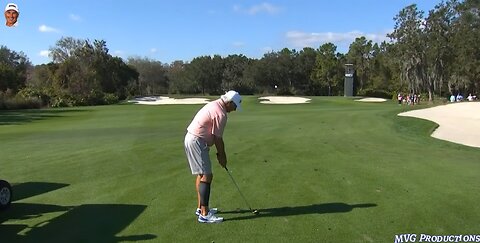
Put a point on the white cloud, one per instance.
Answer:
(302, 39)
(256, 9)
(238, 44)
(75, 17)
(153, 50)
(44, 28)
(118, 53)
(267, 49)
(44, 53)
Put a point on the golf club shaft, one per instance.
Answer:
(238, 188)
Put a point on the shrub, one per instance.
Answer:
(16, 102)
(110, 99)
(375, 93)
(62, 100)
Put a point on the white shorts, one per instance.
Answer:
(197, 152)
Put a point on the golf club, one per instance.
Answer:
(254, 211)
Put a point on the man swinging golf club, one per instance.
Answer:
(205, 130)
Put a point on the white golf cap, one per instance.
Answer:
(235, 97)
(12, 6)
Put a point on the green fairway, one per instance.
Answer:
(334, 170)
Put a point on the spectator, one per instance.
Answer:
(470, 97)
(459, 97)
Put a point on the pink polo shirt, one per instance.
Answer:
(210, 120)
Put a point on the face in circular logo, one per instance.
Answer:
(11, 14)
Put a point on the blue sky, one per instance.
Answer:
(168, 30)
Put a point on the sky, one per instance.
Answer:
(170, 30)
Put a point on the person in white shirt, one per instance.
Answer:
(470, 97)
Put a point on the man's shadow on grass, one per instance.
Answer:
(323, 208)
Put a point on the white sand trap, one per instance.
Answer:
(458, 122)
(372, 100)
(163, 100)
(283, 100)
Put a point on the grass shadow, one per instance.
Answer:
(298, 210)
(84, 223)
(30, 189)
(17, 117)
(23, 211)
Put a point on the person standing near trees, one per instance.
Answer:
(399, 98)
(205, 130)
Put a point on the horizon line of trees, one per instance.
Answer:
(435, 56)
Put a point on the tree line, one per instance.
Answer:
(434, 54)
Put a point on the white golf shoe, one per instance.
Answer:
(212, 210)
(210, 218)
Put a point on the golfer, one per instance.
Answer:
(205, 130)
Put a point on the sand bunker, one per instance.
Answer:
(283, 100)
(372, 100)
(163, 100)
(458, 122)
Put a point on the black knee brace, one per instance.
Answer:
(204, 189)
